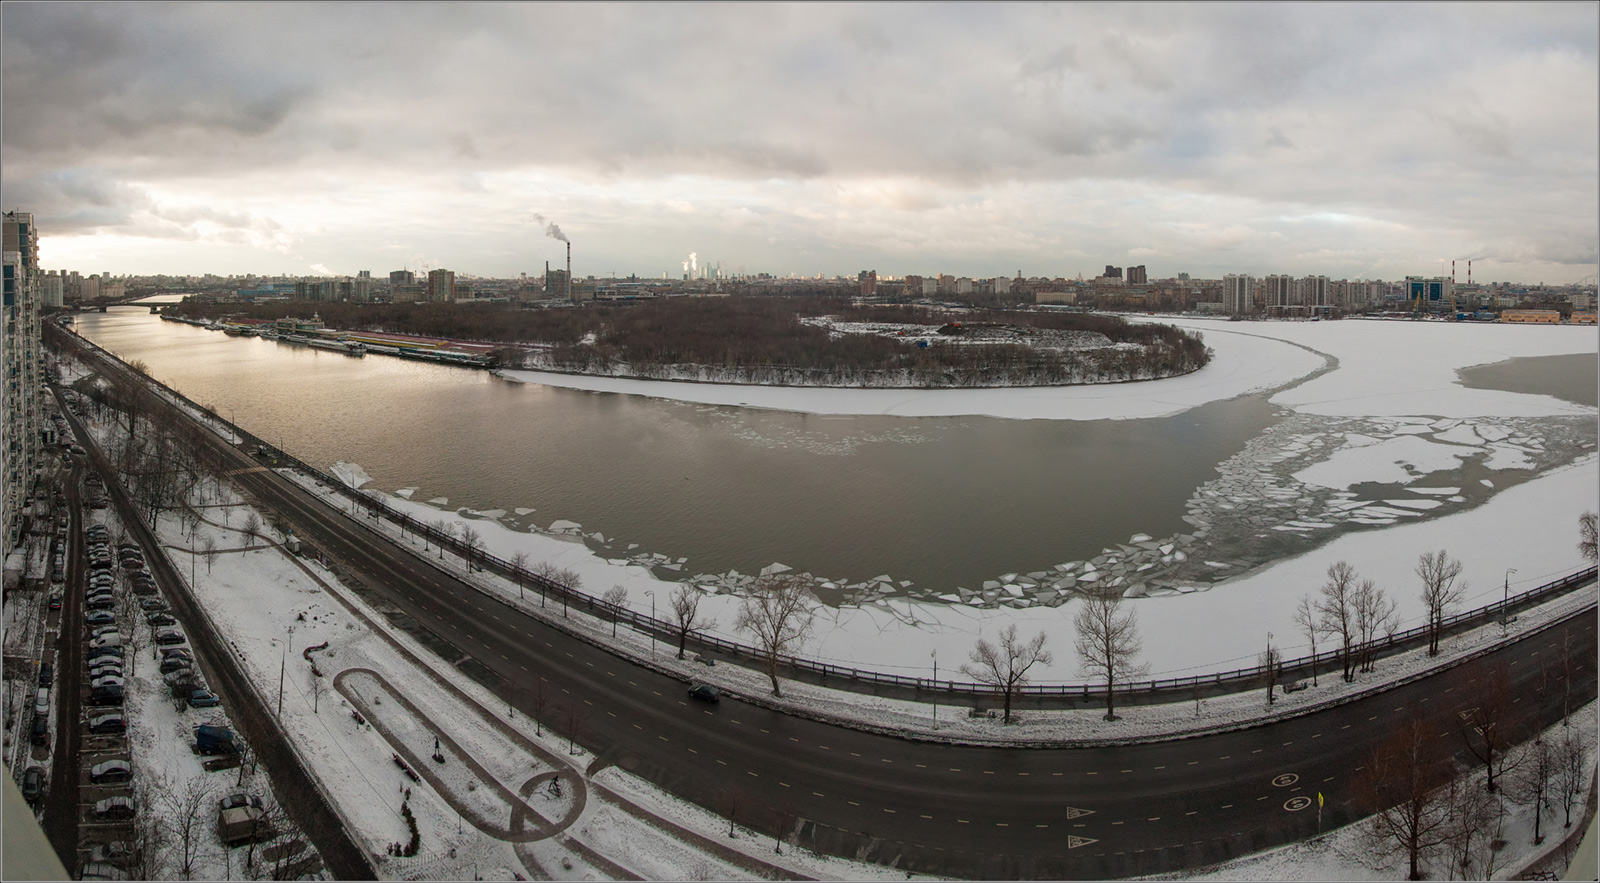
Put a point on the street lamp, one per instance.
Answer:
(652, 623)
(283, 663)
(1505, 603)
(934, 653)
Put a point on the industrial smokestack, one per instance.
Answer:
(569, 269)
(546, 285)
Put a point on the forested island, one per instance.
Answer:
(803, 341)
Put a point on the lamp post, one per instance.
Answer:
(1505, 603)
(652, 624)
(1272, 671)
(935, 655)
(283, 663)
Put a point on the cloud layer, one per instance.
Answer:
(1349, 139)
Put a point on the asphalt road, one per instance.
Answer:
(61, 809)
(964, 811)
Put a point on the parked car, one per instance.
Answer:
(704, 692)
(210, 739)
(203, 699)
(102, 696)
(152, 604)
(107, 641)
(176, 653)
(101, 671)
(99, 617)
(41, 701)
(157, 619)
(104, 681)
(108, 724)
(46, 673)
(55, 602)
(101, 631)
(32, 784)
(110, 772)
(176, 663)
(165, 637)
(41, 731)
(115, 808)
(96, 653)
(100, 603)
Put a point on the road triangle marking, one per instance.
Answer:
(1074, 841)
(1074, 812)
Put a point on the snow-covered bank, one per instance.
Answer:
(1242, 364)
(1386, 368)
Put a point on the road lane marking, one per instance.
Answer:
(692, 751)
(751, 773)
(927, 816)
(962, 822)
(1227, 806)
(784, 784)
(888, 810)
(723, 762)
(818, 794)
(1191, 812)
(852, 803)
(663, 738)
(1160, 767)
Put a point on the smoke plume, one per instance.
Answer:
(550, 229)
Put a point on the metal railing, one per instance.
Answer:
(1237, 679)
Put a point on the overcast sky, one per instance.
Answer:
(1370, 141)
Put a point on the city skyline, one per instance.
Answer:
(1347, 141)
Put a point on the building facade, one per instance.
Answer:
(1238, 293)
(441, 285)
(19, 339)
(1280, 292)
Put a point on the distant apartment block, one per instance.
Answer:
(441, 286)
(1280, 292)
(1137, 276)
(1238, 293)
(402, 277)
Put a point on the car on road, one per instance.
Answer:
(203, 699)
(47, 671)
(108, 724)
(115, 808)
(158, 618)
(111, 772)
(100, 617)
(705, 693)
(166, 637)
(55, 602)
(32, 784)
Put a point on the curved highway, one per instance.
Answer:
(982, 812)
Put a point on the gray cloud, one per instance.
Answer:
(1464, 125)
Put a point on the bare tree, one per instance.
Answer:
(1305, 619)
(1588, 535)
(252, 524)
(208, 546)
(1487, 727)
(1470, 810)
(1375, 612)
(472, 544)
(778, 612)
(519, 567)
(1411, 819)
(1532, 782)
(1270, 661)
(149, 849)
(616, 597)
(1569, 780)
(574, 721)
(538, 698)
(685, 607)
(1442, 590)
(1005, 667)
(187, 809)
(1336, 608)
(1108, 644)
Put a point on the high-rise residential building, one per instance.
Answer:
(1313, 294)
(441, 285)
(1002, 284)
(52, 289)
(19, 396)
(1136, 275)
(1280, 292)
(1238, 291)
(869, 282)
(402, 277)
(1112, 272)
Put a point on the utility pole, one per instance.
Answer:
(935, 654)
(1505, 604)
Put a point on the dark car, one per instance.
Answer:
(106, 724)
(153, 604)
(100, 617)
(705, 693)
(176, 653)
(55, 602)
(102, 696)
(166, 637)
(110, 772)
(176, 663)
(46, 672)
(96, 654)
(203, 699)
(41, 731)
(32, 783)
(159, 618)
(115, 808)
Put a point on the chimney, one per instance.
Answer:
(569, 269)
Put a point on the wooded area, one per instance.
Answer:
(760, 339)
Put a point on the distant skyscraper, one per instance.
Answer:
(1237, 293)
(1313, 294)
(1113, 272)
(441, 285)
(402, 277)
(1280, 292)
(869, 282)
(1136, 275)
